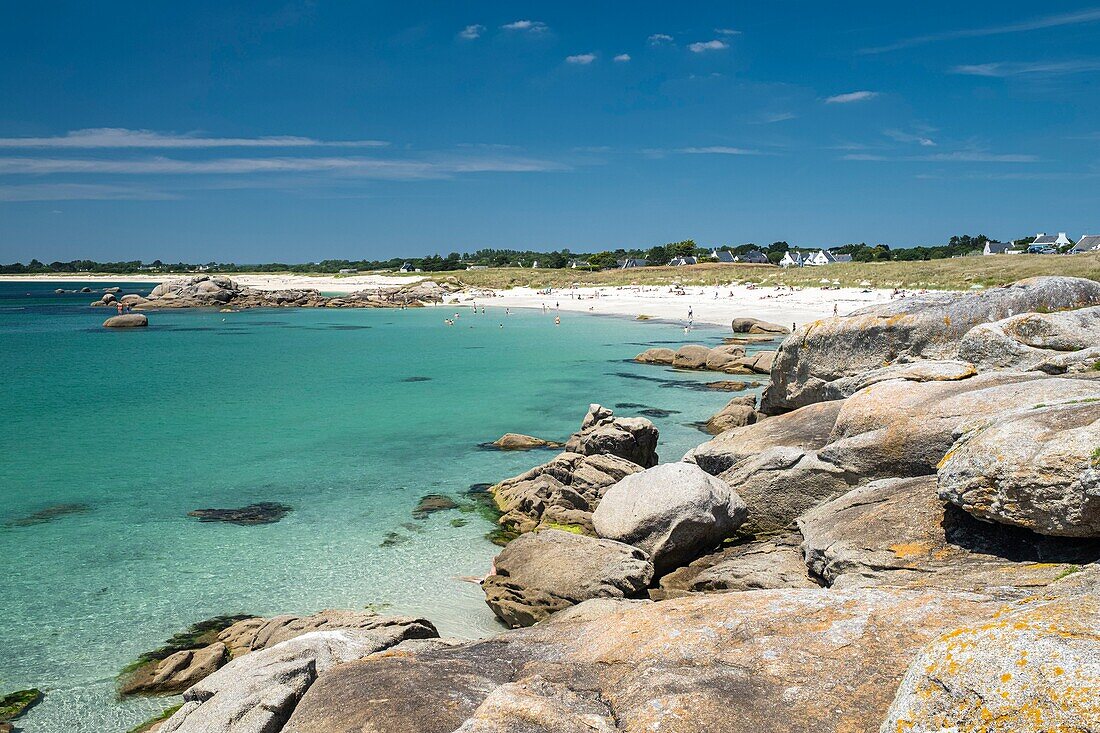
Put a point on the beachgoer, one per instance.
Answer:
(557, 320)
(834, 310)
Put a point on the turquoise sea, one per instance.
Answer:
(348, 416)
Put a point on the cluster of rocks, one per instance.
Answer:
(728, 358)
(907, 543)
(206, 291)
(563, 492)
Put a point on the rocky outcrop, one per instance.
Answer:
(814, 359)
(1054, 343)
(14, 704)
(728, 358)
(543, 572)
(656, 356)
(785, 661)
(1039, 468)
(264, 512)
(899, 532)
(723, 358)
(632, 438)
(738, 412)
(756, 326)
(1034, 668)
(258, 692)
(518, 441)
(128, 320)
(206, 291)
(758, 565)
(674, 512)
(691, 356)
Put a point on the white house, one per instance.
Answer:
(405, 268)
(348, 271)
(997, 248)
(755, 257)
(791, 259)
(1087, 243)
(632, 262)
(722, 255)
(681, 261)
(575, 264)
(1048, 240)
(825, 257)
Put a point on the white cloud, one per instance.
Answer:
(964, 156)
(120, 137)
(659, 39)
(727, 32)
(906, 137)
(704, 46)
(768, 118)
(1038, 68)
(720, 150)
(78, 192)
(623, 58)
(581, 59)
(850, 97)
(1089, 15)
(471, 32)
(534, 26)
(393, 169)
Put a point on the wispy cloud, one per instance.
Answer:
(581, 59)
(720, 150)
(727, 32)
(1036, 68)
(471, 32)
(704, 46)
(768, 118)
(1088, 15)
(120, 137)
(392, 169)
(623, 58)
(532, 26)
(908, 137)
(965, 156)
(660, 39)
(850, 97)
(79, 192)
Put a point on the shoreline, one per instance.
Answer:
(782, 305)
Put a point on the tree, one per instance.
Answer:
(603, 260)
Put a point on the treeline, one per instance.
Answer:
(958, 246)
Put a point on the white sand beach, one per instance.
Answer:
(707, 305)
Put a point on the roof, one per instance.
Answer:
(842, 258)
(1087, 242)
(754, 256)
(633, 262)
(723, 255)
(685, 260)
(996, 248)
(1045, 239)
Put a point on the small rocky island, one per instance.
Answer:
(901, 538)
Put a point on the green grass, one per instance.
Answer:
(571, 528)
(1068, 572)
(951, 274)
(153, 721)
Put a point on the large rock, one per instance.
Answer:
(543, 572)
(758, 565)
(738, 412)
(1034, 668)
(206, 291)
(250, 635)
(519, 441)
(806, 429)
(786, 661)
(258, 692)
(128, 320)
(632, 438)
(691, 356)
(563, 491)
(656, 356)
(725, 358)
(756, 326)
(1039, 468)
(928, 326)
(898, 532)
(1049, 342)
(674, 512)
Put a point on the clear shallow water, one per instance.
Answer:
(311, 408)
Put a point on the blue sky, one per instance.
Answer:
(260, 132)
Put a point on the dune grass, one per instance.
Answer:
(952, 274)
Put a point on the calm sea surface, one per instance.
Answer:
(109, 438)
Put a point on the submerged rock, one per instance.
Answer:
(433, 503)
(49, 514)
(128, 320)
(674, 512)
(16, 703)
(264, 512)
(543, 572)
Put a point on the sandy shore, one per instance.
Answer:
(783, 306)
